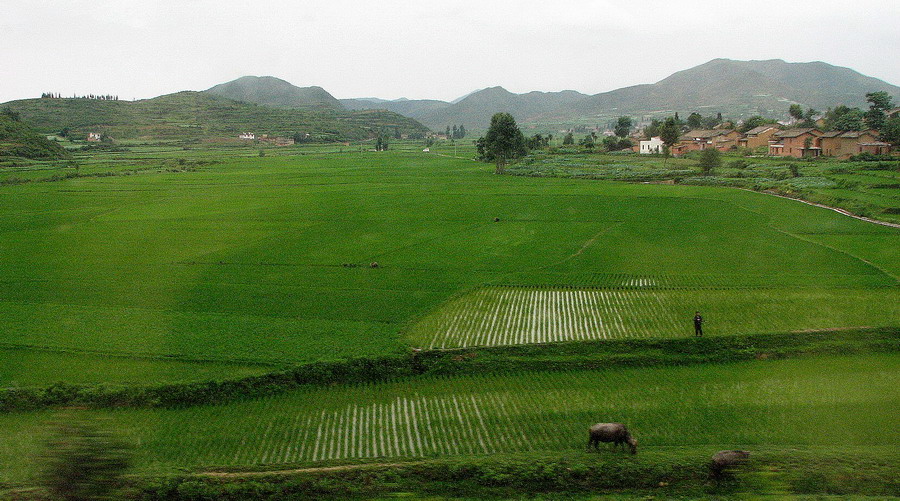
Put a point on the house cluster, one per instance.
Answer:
(276, 140)
(801, 142)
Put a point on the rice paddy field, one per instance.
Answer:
(837, 402)
(254, 263)
(241, 265)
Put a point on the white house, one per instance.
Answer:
(654, 145)
(93, 136)
(247, 135)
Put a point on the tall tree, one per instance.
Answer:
(796, 111)
(568, 139)
(669, 133)
(695, 120)
(504, 141)
(879, 103)
(623, 126)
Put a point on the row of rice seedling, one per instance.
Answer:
(493, 316)
(581, 280)
(836, 401)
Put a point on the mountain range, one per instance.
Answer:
(270, 105)
(734, 88)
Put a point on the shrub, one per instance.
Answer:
(710, 159)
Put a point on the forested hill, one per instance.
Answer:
(276, 93)
(740, 88)
(734, 88)
(19, 140)
(200, 115)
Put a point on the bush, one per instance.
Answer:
(738, 164)
(710, 159)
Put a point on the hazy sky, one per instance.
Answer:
(421, 49)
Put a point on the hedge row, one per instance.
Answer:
(557, 356)
(676, 473)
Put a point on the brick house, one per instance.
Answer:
(844, 144)
(758, 136)
(695, 140)
(798, 143)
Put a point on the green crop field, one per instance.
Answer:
(159, 265)
(265, 261)
(833, 402)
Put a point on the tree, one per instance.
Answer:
(503, 141)
(695, 121)
(568, 139)
(880, 102)
(890, 131)
(587, 142)
(710, 159)
(623, 126)
(796, 112)
(753, 122)
(652, 130)
(670, 132)
(844, 118)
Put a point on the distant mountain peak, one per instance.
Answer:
(275, 92)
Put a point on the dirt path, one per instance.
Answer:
(836, 209)
(321, 469)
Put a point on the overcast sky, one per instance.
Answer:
(421, 49)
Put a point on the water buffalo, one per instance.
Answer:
(723, 460)
(616, 433)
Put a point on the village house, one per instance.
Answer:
(698, 140)
(798, 143)
(276, 140)
(844, 144)
(758, 136)
(653, 146)
(247, 135)
(94, 136)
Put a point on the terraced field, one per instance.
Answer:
(833, 402)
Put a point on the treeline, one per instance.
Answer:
(98, 97)
(485, 360)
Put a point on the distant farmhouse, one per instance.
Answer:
(247, 135)
(653, 146)
(94, 136)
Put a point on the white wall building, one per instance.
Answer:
(654, 145)
(247, 135)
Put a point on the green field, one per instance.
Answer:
(228, 265)
(832, 402)
(265, 261)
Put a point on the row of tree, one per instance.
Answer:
(504, 140)
(99, 97)
(456, 132)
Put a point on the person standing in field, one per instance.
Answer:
(698, 324)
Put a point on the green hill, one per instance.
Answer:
(19, 140)
(199, 115)
(275, 92)
(735, 88)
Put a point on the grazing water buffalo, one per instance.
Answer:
(616, 433)
(723, 460)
